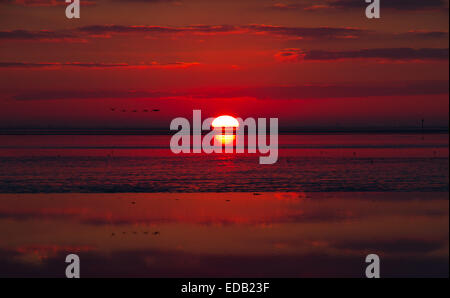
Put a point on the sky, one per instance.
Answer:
(310, 63)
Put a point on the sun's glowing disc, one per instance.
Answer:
(225, 121)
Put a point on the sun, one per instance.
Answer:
(225, 121)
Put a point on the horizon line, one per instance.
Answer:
(165, 131)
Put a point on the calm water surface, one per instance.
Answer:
(144, 164)
(130, 208)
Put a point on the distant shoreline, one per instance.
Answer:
(26, 131)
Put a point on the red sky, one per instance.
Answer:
(310, 63)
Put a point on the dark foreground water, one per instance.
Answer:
(225, 234)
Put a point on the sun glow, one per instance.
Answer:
(225, 121)
(225, 139)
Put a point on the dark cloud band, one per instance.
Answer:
(262, 93)
(394, 54)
